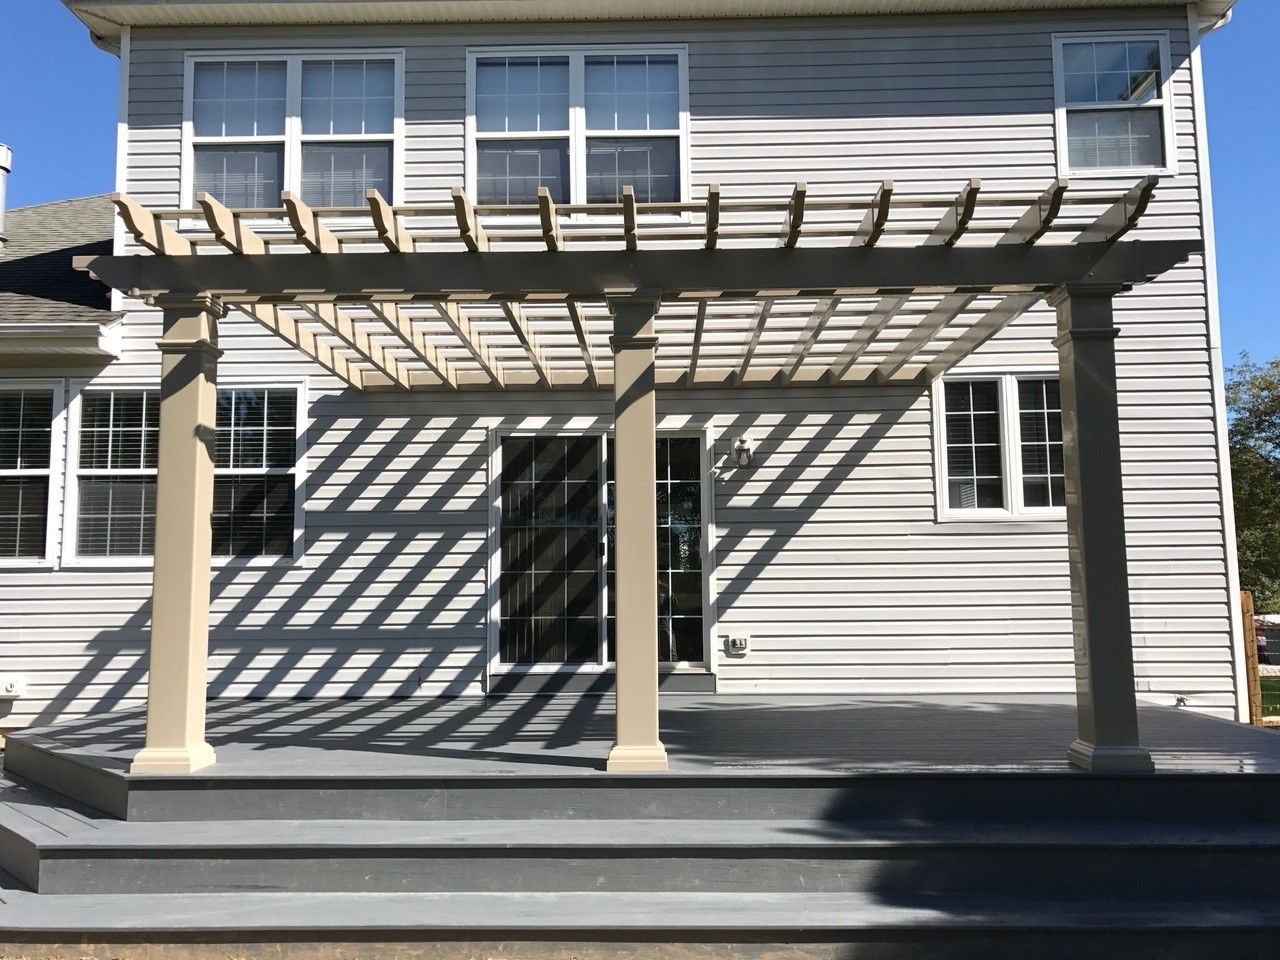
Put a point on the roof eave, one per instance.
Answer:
(105, 18)
(72, 341)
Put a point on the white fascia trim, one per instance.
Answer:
(120, 236)
(1217, 375)
(72, 339)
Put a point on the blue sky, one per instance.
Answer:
(58, 112)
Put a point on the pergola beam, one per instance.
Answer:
(341, 325)
(712, 229)
(1040, 216)
(520, 325)
(629, 217)
(795, 217)
(391, 231)
(402, 326)
(728, 274)
(469, 228)
(550, 221)
(695, 350)
(460, 323)
(228, 229)
(1123, 215)
(311, 233)
(877, 215)
(823, 311)
(982, 330)
(584, 344)
(918, 337)
(881, 315)
(763, 309)
(956, 220)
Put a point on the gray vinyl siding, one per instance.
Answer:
(828, 551)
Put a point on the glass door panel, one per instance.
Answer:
(549, 595)
(679, 533)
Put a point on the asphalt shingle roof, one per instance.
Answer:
(37, 282)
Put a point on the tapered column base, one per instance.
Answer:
(172, 759)
(1096, 759)
(651, 759)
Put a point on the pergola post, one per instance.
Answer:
(1107, 704)
(637, 747)
(183, 539)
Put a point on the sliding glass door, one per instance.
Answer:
(556, 548)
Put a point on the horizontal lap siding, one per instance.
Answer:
(828, 550)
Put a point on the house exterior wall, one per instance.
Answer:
(829, 550)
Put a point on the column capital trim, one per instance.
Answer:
(617, 344)
(204, 302)
(1085, 333)
(645, 295)
(1084, 288)
(181, 347)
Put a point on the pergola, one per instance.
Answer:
(802, 291)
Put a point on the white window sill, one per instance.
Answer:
(1000, 516)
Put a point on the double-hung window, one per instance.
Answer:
(320, 126)
(27, 420)
(582, 123)
(255, 473)
(1001, 446)
(1113, 103)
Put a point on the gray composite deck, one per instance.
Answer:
(722, 735)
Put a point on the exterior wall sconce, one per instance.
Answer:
(742, 452)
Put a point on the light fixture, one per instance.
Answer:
(742, 451)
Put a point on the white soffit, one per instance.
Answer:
(105, 17)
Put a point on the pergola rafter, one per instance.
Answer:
(837, 291)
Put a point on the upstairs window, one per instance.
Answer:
(1113, 106)
(1001, 446)
(322, 127)
(583, 124)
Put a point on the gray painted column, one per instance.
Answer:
(637, 747)
(183, 540)
(1101, 618)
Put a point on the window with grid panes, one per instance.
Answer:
(26, 444)
(980, 472)
(246, 150)
(1040, 444)
(679, 533)
(584, 142)
(975, 474)
(1111, 90)
(254, 481)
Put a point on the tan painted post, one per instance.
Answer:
(638, 747)
(183, 541)
(1106, 703)
(1252, 676)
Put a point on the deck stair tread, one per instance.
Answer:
(605, 915)
(619, 837)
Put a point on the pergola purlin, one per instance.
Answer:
(410, 317)
(494, 297)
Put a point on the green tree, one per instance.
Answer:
(1253, 405)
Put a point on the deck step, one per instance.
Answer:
(746, 856)
(596, 916)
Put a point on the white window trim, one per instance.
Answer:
(1164, 105)
(57, 443)
(1010, 451)
(292, 137)
(577, 54)
(71, 498)
(494, 667)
